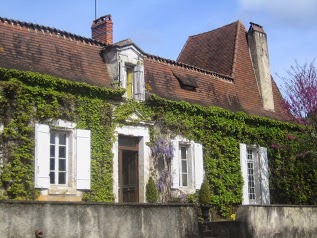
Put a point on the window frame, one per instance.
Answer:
(260, 172)
(188, 164)
(194, 166)
(78, 152)
(68, 157)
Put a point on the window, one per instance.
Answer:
(254, 168)
(187, 165)
(129, 85)
(251, 182)
(133, 82)
(183, 165)
(62, 156)
(58, 157)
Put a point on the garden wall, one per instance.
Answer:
(278, 221)
(53, 219)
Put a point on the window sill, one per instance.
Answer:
(62, 191)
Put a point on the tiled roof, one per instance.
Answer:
(213, 50)
(225, 78)
(211, 89)
(226, 51)
(31, 47)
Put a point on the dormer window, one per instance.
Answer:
(186, 82)
(129, 82)
(125, 66)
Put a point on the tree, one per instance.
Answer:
(300, 92)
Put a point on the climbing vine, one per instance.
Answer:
(26, 98)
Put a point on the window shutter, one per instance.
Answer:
(42, 156)
(199, 165)
(175, 165)
(138, 83)
(83, 159)
(244, 171)
(265, 190)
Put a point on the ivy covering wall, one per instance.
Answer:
(27, 98)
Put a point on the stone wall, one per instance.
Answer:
(70, 219)
(278, 221)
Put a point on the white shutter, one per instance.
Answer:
(42, 156)
(138, 83)
(83, 158)
(244, 171)
(175, 165)
(199, 165)
(265, 190)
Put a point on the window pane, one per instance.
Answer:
(52, 178)
(62, 165)
(184, 179)
(52, 151)
(183, 152)
(62, 152)
(62, 178)
(62, 138)
(52, 138)
(184, 166)
(52, 164)
(128, 141)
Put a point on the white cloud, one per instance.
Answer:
(297, 12)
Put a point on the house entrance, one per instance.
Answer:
(128, 169)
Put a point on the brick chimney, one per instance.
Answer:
(257, 41)
(102, 29)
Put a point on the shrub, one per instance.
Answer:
(151, 191)
(204, 194)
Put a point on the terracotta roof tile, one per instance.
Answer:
(211, 89)
(46, 50)
(213, 50)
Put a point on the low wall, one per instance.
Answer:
(278, 221)
(55, 219)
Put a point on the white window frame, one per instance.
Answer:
(57, 158)
(78, 165)
(188, 161)
(260, 174)
(195, 169)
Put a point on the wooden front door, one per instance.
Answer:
(128, 169)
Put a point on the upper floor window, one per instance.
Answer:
(254, 169)
(126, 68)
(62, 157)
(129, 82)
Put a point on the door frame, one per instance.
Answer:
(142, 131)
(120, 170)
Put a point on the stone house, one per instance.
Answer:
(227, 67)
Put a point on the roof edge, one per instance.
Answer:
(236, 44)
(190, 67)
(51, 30)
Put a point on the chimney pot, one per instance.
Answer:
(102, 29)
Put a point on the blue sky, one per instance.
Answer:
(161, 27)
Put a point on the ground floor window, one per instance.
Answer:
(254, 169)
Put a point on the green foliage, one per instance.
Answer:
(26, 98)
(29, 97)
(151, 191)
(204, 195)
(221, 131)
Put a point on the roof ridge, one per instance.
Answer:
(236, 44)
(192, 36)
(52, 30)
(191, 67)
